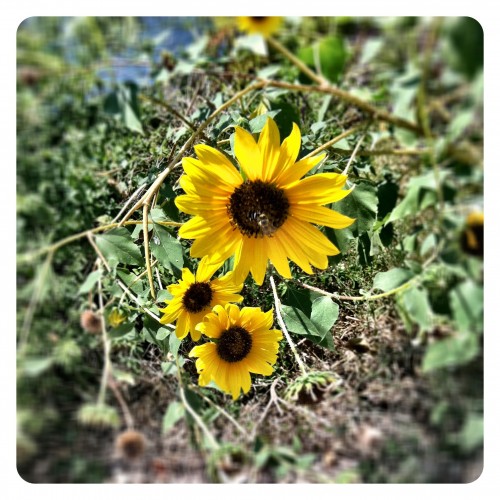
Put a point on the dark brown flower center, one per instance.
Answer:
(197, 296)
(234, 344)
(258, 19)
(258, 208)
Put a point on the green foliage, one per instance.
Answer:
(324, 314)
(175, 411)
(123, 105)
(329, 56)
(118, 247)
(391, 279)
(92, 139)
(167, 250)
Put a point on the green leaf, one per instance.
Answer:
(286, 117)
(167, 250)
(467, 305)
(123, 104)
(416, 303)
(459, 123)
(331, 55)
(466, 39)
(90, 281)
(450, 352)
(33, 367)
(117, 247)
(174, 343)
(162, 333)
(370, 49)
(428, 244)
(361, 205)
(324, 314)
(387, 194)
(421, 193)
(163, 295)
(257, 124)
(471, 436)
(122, 330)
(298, 298)
(130, 279)
(174, 413)
(391, 279)
(297, 322)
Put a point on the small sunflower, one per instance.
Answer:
(472, 237)
(264, 25)
(266, 215)
(243, 343)
(194, 297)
(116, 318)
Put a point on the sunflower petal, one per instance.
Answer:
(294, 172)
(217, 164)
(318, 189)
(247, 153)
(321, 215)
(269, 145)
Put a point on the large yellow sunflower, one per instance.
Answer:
(266, 214)
(264, 25)
(243, 343)
(194, 297)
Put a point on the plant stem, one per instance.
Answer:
(147, 256)
(74, 237)
(129, 421)
(358, 144)
(333, 141)
(284, 329)
(221, 411)
(336, 296)
(189, 409)
(374, 112)
(107, 369)
(35, 298)
(297, 62)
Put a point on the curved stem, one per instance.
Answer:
(145, 231)
(35, 298)
(374, 112)
(189, 409)
(107, 369)
(333, 141)
(74, 237)
(357, 298)
(297, 62)
(284, 329)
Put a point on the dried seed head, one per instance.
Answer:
(130, 444)
(90, 321)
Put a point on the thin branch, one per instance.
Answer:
(147, 256)
(129, 421)
(189, 409)
(358, 144)
(74, 237)
(107, 369)
(220, 410)
(358, 298)
(35, 298)
(284, 329)
(374, 112)
(333, 141)
(297, 62)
